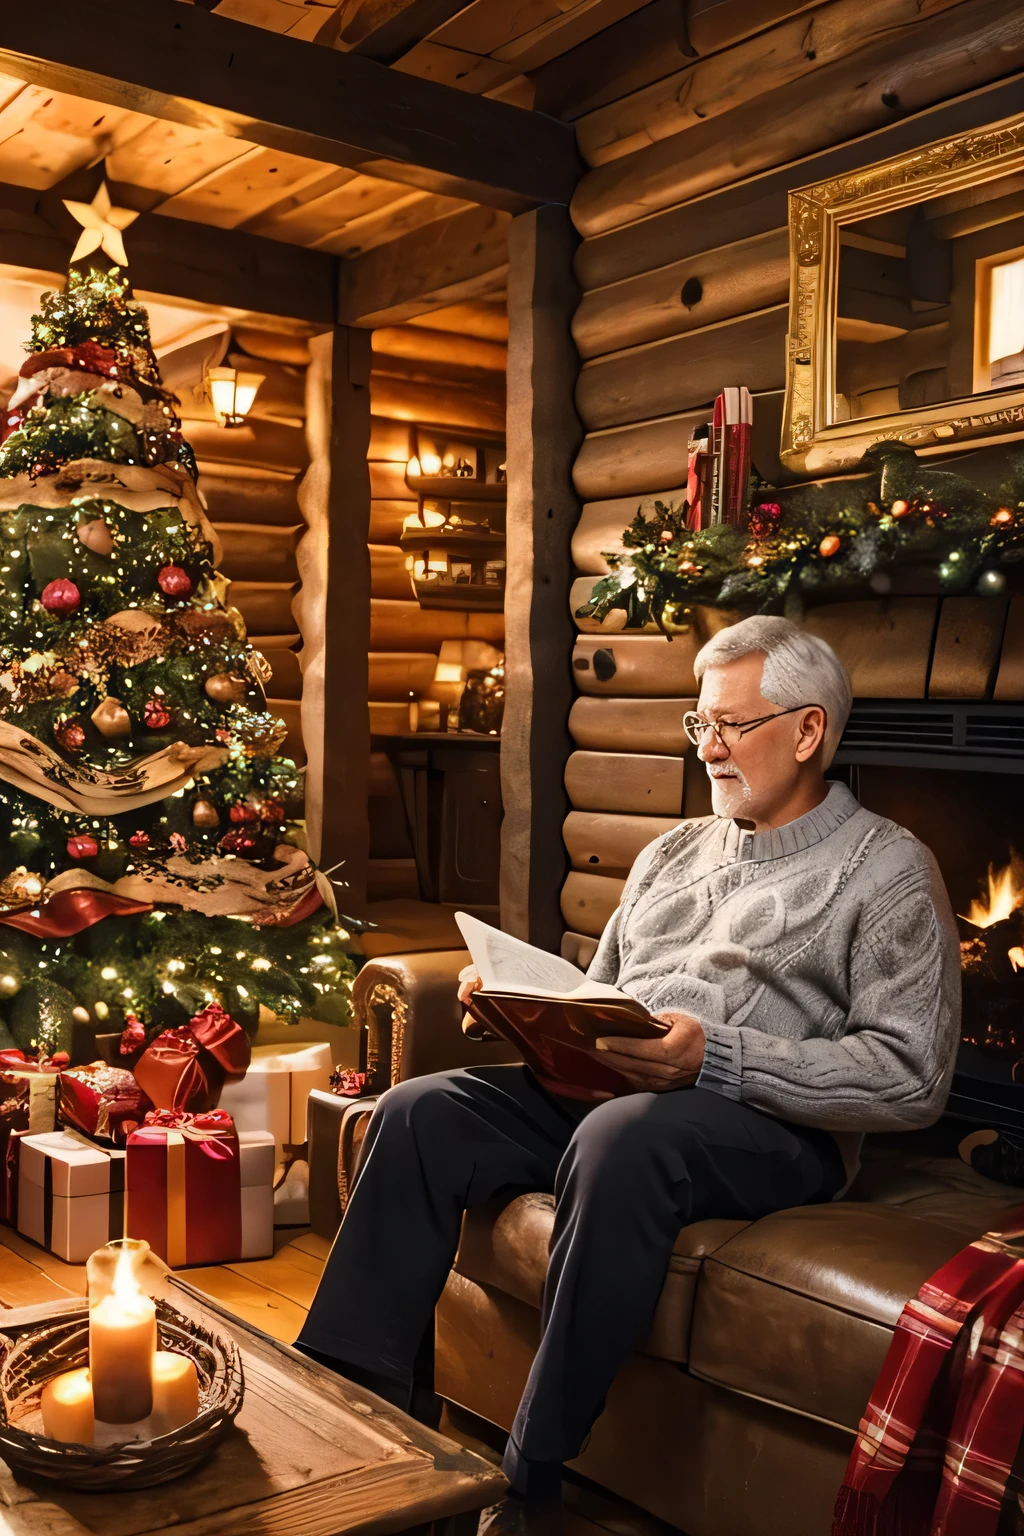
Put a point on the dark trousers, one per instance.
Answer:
(627, 1175)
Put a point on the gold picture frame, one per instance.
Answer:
(813, 442)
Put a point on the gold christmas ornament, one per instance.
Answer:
(225, 688)
(80, 1015)
(204, 814)
(21, 886)
(111, 719)
(10, 985)
(96, 537)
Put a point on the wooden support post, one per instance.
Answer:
(544, 435)
(333, 609)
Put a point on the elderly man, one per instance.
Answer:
(804, 954)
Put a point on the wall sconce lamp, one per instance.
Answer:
(232, 394)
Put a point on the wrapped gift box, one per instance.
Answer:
(27, 1095)
(102, 1102)
(70, 1194)
(198, 1192)
(272, 1095)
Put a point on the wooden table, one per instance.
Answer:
(309, 1455)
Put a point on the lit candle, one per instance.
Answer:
(122, 1344)
(67, 1408)
(175, 1391)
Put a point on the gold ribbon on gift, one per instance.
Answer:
(177, 1226)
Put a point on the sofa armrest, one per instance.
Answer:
(409, 1008)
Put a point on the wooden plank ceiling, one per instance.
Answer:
(205, 176)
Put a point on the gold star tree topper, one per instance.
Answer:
(102, 226)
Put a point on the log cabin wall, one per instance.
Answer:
(250, 477)
(443, 372)
(694, 122)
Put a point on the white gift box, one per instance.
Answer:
(70, 1194)
(257, 1160)
(273, 1093)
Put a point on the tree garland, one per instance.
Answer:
(901, 526)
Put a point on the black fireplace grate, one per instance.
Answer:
(919, 732)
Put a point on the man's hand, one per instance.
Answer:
(469, 982)
(655, 1066)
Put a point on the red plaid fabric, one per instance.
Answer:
(937, 1445)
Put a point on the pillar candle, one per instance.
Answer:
(175, 1391)
(122, 1343)
(67, 1408)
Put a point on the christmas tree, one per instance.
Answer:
(152, 861)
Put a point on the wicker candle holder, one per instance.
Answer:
(40, 1353)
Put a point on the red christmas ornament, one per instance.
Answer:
(240, 812)
(61, 597)
(241, 843)
(829, 546)
(174, 582)
(70, 736)
(133, 1036)
(84, 847)
(156, 714)
(139, 840)
(272, 810)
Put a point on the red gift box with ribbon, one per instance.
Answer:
(185, 1068)
(103, 1102)
(27, 1105)
(196, 1191)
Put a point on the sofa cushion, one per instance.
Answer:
(798, 1309)
(506, 1246)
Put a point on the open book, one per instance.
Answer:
(551, 1012)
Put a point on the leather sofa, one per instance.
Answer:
(737, 1413)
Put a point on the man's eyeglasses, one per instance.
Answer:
(730, 731)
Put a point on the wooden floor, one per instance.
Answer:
(272, 1293)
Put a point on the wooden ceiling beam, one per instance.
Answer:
(182, 63)
(223, 268)
(459, 258)
(385, 29)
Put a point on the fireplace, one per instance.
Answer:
(953, 774)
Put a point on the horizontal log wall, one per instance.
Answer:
(421, 376)
(694, 139)
(250, 478)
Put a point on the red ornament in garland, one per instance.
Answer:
(139, 840)
(763, 519)
(243, 813)
(241, 843)
(60, 597)
(173, 581)
(70, 736)
(272, 810)
(156, 714)
(84, 847)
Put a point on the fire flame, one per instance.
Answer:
(1004, 895)
(125, 1288)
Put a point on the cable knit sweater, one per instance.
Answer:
(820, 957)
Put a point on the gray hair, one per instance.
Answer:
(798, 668)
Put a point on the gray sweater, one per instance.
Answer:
(821, 958)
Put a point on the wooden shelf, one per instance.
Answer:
(450, 488)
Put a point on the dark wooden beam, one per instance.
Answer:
(196, 262)
(385, 29)
(457, 258)
(544, 436)
(179, 62)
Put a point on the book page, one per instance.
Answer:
(507, 964)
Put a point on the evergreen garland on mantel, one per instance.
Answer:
(902, 526)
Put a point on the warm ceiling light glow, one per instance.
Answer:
(232, 394)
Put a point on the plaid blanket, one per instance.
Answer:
(937, 1453)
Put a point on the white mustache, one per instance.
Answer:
(725, 771)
